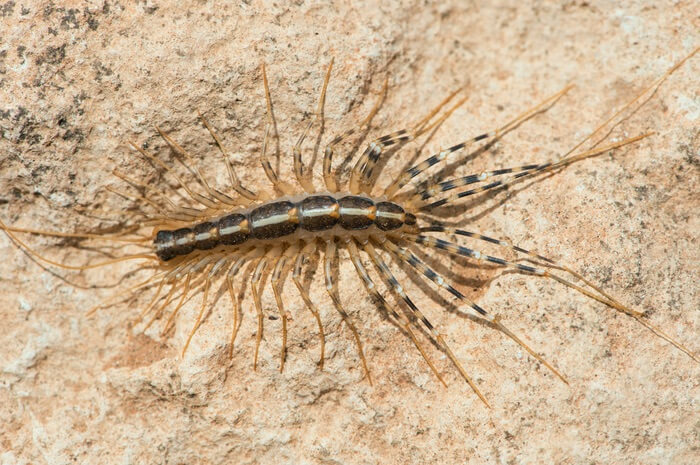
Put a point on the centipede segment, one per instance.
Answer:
(200, 236)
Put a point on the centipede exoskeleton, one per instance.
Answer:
(197, 236)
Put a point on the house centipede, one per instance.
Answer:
(211, 235)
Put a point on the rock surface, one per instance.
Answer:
(78, 80)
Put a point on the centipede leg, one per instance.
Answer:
(329, 177)
(305, 179)
(601, 297)
(296, 277)
(332, 288)
(399, 317)
(274, 179)
(415, 263)
(235, 303)
(394, 284)
(257, 284)
(277, 280)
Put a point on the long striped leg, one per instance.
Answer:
(279, 184)
(329, 178)
(191, 165)
(257, 284)
(385, 271)
(197, 197)
(492, 135)
(363, 169)
(601, 297)
(417, 264)
(332, 288)
(542, 168)
(540, 260)
(305, 180)
(277, 280)
(297, 278)
(650, 90)
(567, 158)
(233, 177)
(399, 317)
(445, 186)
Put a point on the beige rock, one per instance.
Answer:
(78, 80)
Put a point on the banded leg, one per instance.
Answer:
(602, 297)
(329, 178)
(277, 280)
(385, 271)
(548, 263)
(399, 317)
(492, 135)
(279, 184)
(297, 278)
(415, 263)
(191, 165)
(445, 186)
(544, 167)
(363, 169)
(332, 288)
(233, 177)
(305, 180)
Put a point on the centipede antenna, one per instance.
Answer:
(235, 181)
(399, 317)
(396, 287)
(332, 288)
(104, 237)
(40, 257)
(296, 277)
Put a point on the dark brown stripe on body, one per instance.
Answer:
(272, 220)
(315, 213)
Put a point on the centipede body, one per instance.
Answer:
(208, 239)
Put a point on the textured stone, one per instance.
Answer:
(78, 80)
